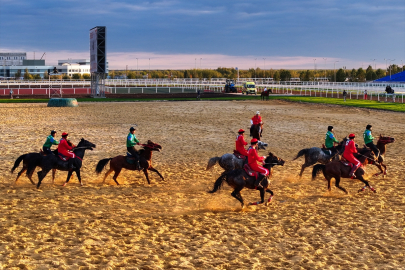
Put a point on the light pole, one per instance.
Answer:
(325, 68)
(264, 67)
(390, 66)
(255, 68)
(373, 62)
(334, 69)
(314, 68)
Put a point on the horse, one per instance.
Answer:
(316, 154)
(52, 162)
(256, 131)
(336, 169)
(265, 94)
(230, 162)
(239, 179)
(382, 146)
(119, 162)
(30, 157)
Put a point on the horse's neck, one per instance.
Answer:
(79, 152)
(147, 154)
(382, 147)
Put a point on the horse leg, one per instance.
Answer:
(329, 179)
(145, 171)
(337, 182)
(271, 196)
(107, 174)
(236, 194)
(41, 176)
(79, 177)
(30, 177)
(68, 178)
(261, 198)
(20, 173)
(116, 173)
(156, 171)
(366, 184)
(305, 165)
(53, 176)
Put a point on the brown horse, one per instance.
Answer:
(119, 162)
(382, 146)
(265, 94)
(336, 169)
(239, 179)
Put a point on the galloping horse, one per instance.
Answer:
(316, 154)
(265, 94)
(52, 162)
(230, 162)
(336, 169)
(382, 146)
(119, 162)
(239, 179)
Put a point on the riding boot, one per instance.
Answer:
(251, 128)
(353, 171)
(259, 180)
(137, 163)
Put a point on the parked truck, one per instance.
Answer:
(249, 88)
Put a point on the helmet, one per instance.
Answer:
(257, 112)
(132, 129)
(369, 126)
(53, 132)
(351, 135)
(241, 131)
(253, 141)
(64, 134)
(330, 128)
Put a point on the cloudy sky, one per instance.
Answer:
(180, 34)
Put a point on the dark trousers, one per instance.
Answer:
(135, 154)
(333, 150)
(373, 148)
(47, 150)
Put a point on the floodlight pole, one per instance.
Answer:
(334, 68)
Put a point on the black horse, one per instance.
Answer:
(239, 179)
(389, 90)
(265, 94)
(50, 162)
(256, 131)
(316, 154)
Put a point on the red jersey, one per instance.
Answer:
(240, 145)
(350, 149)
(64, 148)
(257, 119)
(253, 157)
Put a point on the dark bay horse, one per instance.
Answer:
(239, 179)
(229, 161)
(256, 131)
(265, 94)
(316, 154)
(119, 162)
(52, 162)
(30, 157)
(336, 169)
(382, 146)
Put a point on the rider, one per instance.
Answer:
(350, 149)
(368, 140)
(256, 120)
(131, 142)
(330, 140)
(253, 158)
(240, 143)
(65, 148)
(50, 140)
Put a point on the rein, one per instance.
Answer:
(368, 158)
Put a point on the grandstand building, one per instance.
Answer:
(398, 77)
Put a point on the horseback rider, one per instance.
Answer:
(368, 140)
(65, 148)
(256, 120)
(330, 140)
(131, 142)
(240, 143)
(350, 149)
(50, 140)
(253, 158)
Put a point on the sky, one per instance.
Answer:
(187, 34)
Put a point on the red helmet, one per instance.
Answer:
(351, 135)
(253, 141)
(241, 131)
(64, 134)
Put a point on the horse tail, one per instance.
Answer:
(101, 164)
(317, 169)
(218, 184)
(212, 162)
(17, 162)
(301, 153)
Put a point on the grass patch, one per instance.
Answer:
(369, 104)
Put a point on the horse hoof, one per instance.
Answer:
(360, 190)
(64, 185)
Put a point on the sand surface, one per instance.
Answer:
(176, 223)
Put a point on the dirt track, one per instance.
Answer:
(176, 223)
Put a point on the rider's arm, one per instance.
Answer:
(53, 141)
(333, 138)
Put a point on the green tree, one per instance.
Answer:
(353, 76)
(65, 77)
(86, 76)
(276, 76)
(36, 77)
(76, 76)
(380, 73)
(361, 75)
(27, 75)
(340, 75)
(285, 75)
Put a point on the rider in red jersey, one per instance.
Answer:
(65, 149)
(350, 149)
(256, 120)
(253, 158)
(240, 143)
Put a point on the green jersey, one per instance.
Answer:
(368, 138)
(131, 140)
(330, 139)
(49, 141)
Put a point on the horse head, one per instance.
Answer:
(86, 144)
(152, 146)
(273, 160)
(386, 139)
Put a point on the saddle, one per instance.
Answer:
(239, 155)
(346, 163)
(250, 172)
(129, 158)
(62, 157)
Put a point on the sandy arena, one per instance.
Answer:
(177, 224)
